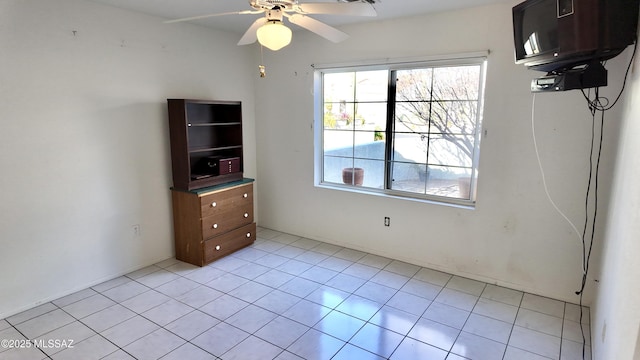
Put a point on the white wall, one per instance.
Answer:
(616, 322)
(513, 237)
(84, 147)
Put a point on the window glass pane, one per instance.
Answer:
(339, 87)
(340, 171)
(371, 85)
(454, 117)
(371, 116)
(339, 115)
(413, 84)
(448, 181)
(333, 168)
(454, 150)
(409, 177)
(412, 116)
(373, 172)
(367, 146)
(456, 83)
(410, 147)
(338, 143)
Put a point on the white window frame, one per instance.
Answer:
(477, 58)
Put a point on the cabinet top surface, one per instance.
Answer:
(209, 102)
(218, 187)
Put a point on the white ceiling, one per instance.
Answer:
(386, 9)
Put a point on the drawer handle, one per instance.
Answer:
(245, 195)
(217, 247)
(215, 226)
(214, 204)
(248, 234)
(246, 215)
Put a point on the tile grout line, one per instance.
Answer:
(513, 326)
(30, 340)
(469, 316)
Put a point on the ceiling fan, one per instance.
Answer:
(270, 30)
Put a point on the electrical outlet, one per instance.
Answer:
(387, 221)
(135, 229)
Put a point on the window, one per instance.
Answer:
(410, 130)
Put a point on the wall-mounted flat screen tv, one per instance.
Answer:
(557, 35)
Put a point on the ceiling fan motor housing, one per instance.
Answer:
(274, 14)
(272, 4)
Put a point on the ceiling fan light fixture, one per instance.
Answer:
(274, 35)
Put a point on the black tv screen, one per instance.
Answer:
(539, 26)
(557, 35)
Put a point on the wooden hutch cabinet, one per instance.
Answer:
(206, 142)
(212, 201)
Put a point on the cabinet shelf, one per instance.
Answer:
(219, 148)
(214, 124)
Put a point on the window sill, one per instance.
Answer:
(460, 204)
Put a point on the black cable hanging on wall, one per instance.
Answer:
(596, 105)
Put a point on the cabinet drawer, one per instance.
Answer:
(215, 202)
(229, 242)
(227, 220)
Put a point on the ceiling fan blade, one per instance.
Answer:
(251, 35)
(212, 15)
(354, 9)
(320, 28)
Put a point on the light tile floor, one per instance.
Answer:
(287, 297)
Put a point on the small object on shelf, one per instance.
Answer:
(198, 176)
(208, 165)
(230, 165)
